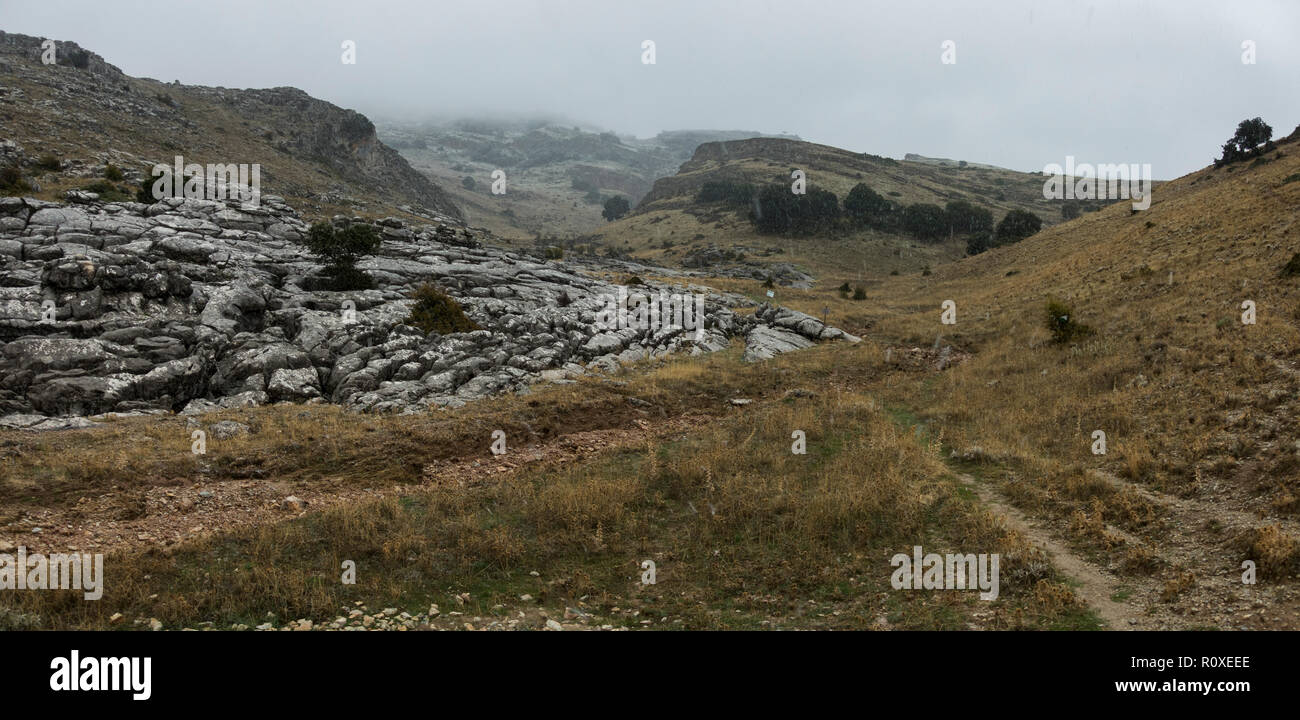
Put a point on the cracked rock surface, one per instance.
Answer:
(192, 305)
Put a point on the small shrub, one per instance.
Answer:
(435, 311)
(1061, 322)
(845, 289)
(769, 282)
(113, 173)
(49, 162)
(1291, 178)
(1292, 268)
(12, 181)
(468, 183)
(859, 293)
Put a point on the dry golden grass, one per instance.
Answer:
(730, 515)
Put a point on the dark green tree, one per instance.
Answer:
(341, 249)
(1253, 137)
(979, 242)
(1016, 226)
(965, 218)
(925, 221)
(615, 208)
(865, 206)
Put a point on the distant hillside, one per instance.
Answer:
(557, 175)
(670, 225)
(85, 112)
(913, 157)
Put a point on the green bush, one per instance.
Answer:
(49, 162)
(468, 183)
(435, 311)
(859, 293)
(113, 173)
(341, 249)
(1061, 322)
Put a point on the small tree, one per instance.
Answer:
(468, 183)
(615, 208)
(341, 249)
(1253, 137)
(1016, 226)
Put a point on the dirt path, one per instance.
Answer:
(1094, 587)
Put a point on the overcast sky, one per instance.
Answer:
(1034, 81)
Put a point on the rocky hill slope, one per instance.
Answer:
(85, 113)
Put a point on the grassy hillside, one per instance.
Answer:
(669, 222)
(1202, 466)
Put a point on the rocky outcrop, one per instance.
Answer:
(193, 305)
(307, 148)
